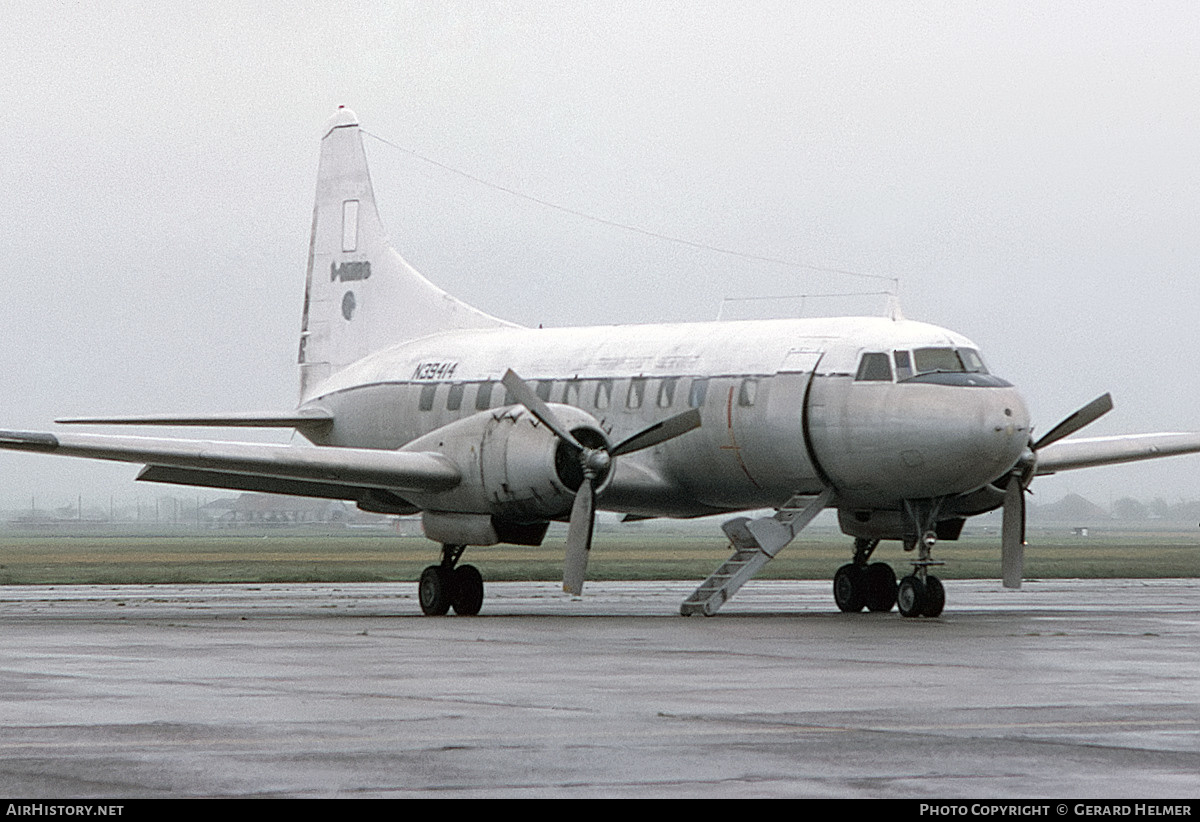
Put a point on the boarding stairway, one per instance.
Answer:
(755, 542)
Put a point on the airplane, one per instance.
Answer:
(412, 401)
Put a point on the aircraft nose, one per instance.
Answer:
(919, 441)
(1009, 423)
(973, 441)
(1000, 436)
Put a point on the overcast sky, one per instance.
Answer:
(1029, 171)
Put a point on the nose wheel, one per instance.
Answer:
(916, 597)
(921, 593)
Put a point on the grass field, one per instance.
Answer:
(299, 556)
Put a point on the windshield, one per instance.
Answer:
(947, 360)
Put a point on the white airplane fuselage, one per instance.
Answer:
(782, 410)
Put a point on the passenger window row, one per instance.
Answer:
(581, 393)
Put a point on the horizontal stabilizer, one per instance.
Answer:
(303, 418)
(359, 467)
(1067, 455)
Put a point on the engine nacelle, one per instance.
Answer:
(513, 467)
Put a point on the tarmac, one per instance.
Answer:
(1065, 689)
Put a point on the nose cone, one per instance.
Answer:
(962, 439)
(992, 443)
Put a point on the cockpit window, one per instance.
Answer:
(962, 367)
(972, 361)
(874, 368)
(944, 361)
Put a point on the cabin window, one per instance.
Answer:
(666, 392)
(637, 392)
(748, 393)
(603, 393)
(571, 392)
(483, 397)
(698, 393)
(543, 390)
(454, 396)
(427, 393)
(874, 368)
(903, 365)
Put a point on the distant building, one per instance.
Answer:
(272, 509)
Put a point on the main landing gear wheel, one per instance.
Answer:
(872, 586)
(881, 587)
(434, 590)
(445, 586)
(849, 588)
(466, 590)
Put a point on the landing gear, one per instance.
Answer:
(466, 590)
(872, 585)
(935, 596)
(917, 597)
(910, 596)
(921, 593)
(881, 587)
(434, 591)
(857, 584)
(444, 586)
(849, 588)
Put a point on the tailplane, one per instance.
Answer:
(360, 294)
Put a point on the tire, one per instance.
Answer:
(466, 590)
(434, 591)
(910, 597)
(935, 597)
(881, 587)
(849, 588)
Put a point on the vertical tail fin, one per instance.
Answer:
(360, 295)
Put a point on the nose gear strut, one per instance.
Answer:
(921, 593)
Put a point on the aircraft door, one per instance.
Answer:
(850, 414)
(765, 417)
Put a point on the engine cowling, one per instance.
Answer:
(514, 468)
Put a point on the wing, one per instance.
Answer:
(301, 419)
(340, 473)
(1067, 455)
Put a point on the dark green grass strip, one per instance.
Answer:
(280, 556)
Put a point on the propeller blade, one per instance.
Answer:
(595, 462)
(579, 538)
(1087, 415)
(525, 395)
(1012, 534)
(659, 432)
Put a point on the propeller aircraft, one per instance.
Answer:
(412, 401)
